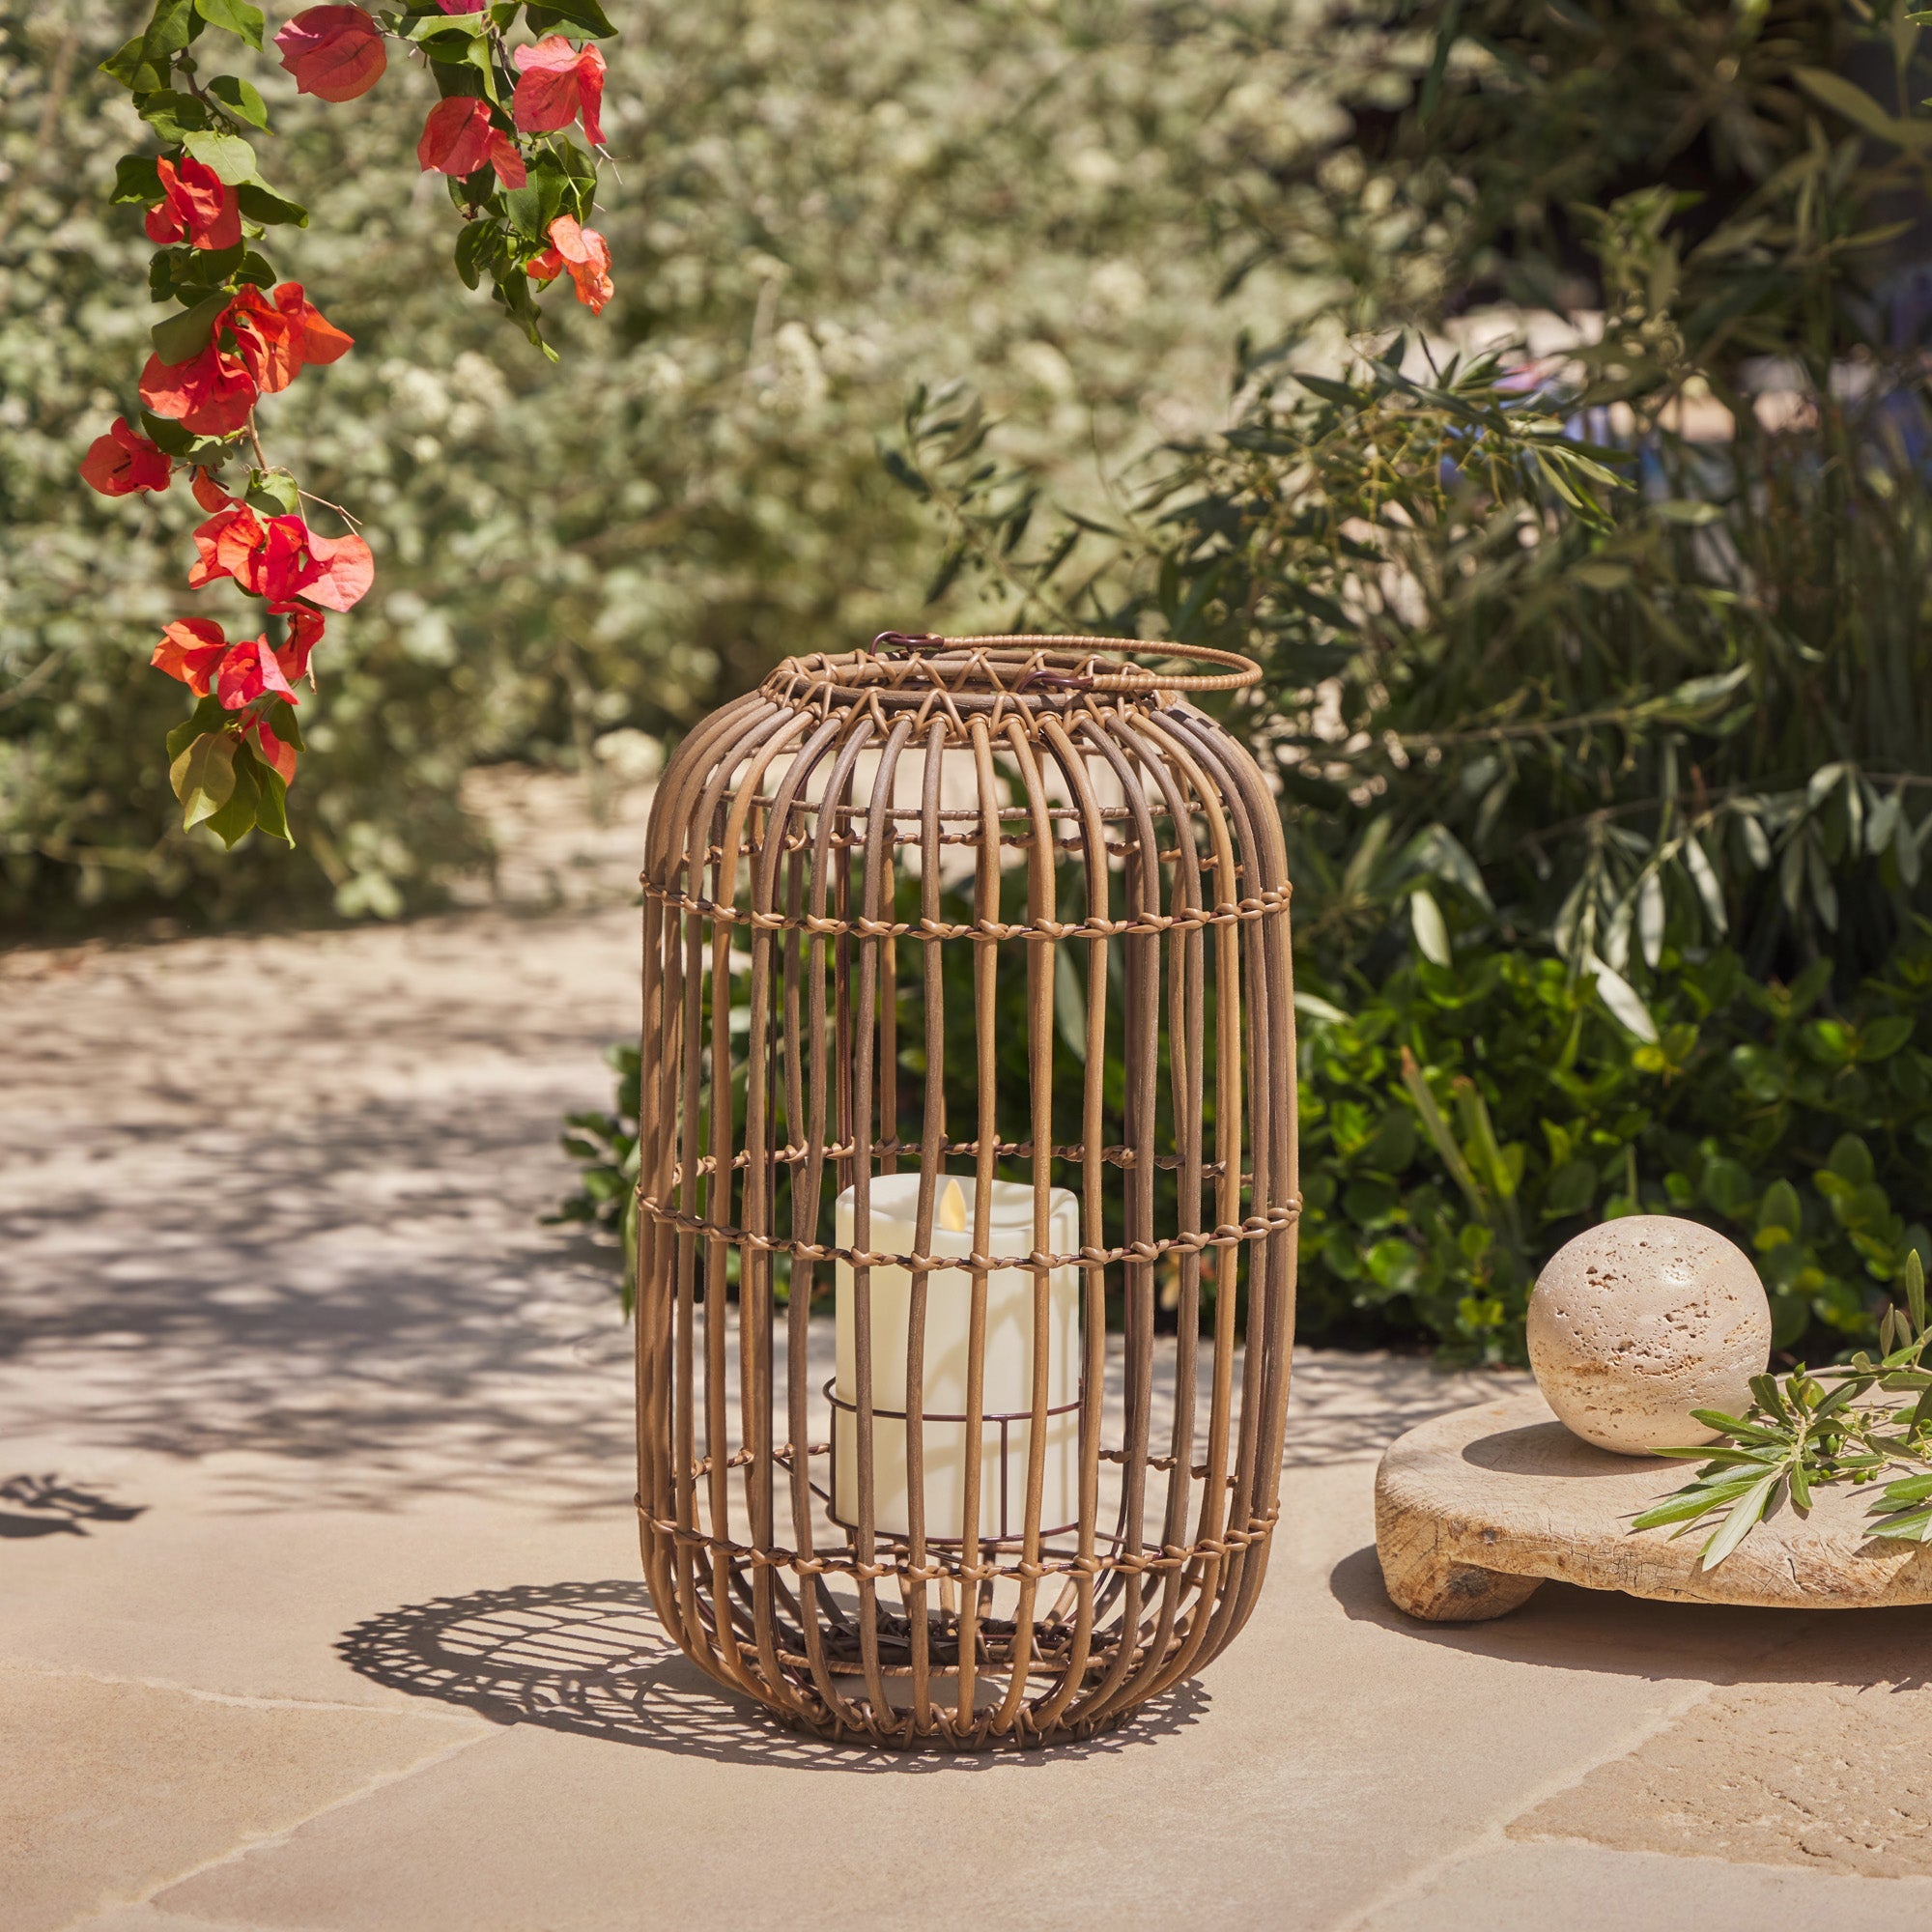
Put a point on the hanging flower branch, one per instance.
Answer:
(523, 192)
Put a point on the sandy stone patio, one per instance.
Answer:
(320, 1605)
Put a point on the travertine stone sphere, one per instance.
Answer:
(1636, 1322)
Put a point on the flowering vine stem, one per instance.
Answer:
(234, 333)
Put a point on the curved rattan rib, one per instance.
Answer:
(783, 969)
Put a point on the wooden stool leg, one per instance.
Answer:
(1440, 1591)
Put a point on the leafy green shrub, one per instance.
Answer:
(606, 1144)
(1460, 1122)
(1607, 650)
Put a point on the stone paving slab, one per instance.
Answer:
(1585, 1888)
(1827, 1775)
(320, 1571)
(111, 1789)
(1328, 1752)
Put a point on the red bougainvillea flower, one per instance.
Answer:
(345, 571)
(248, 673)
(210, 393)
(196, 206)
(268, 559)
(334, 52)
(263, 339)
(560, 81)
(280, 558)
(315, 339)
(456, 136)
(195, 651)
(189, 649)
(277, 337)
(122, 462)
(459, 137)
(586, 254)
(259, 738)
(505, 159)
(461, 6)
(209, 538)
(208, 493)
(306, 627)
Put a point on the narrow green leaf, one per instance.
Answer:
(1847, 98)
(1622, 999)
(1432, 935)
(1698, 1499)
(1915, 1528)
(1697, 863)
(1746, 1513)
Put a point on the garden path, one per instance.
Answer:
(321, 1604)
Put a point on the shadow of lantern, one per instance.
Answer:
(592, 1660)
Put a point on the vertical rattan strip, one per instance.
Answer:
(1041, 907)
(803, 1020)
(728, 826)
(865, 1030)
(754, 823)
(931, 1146)
(1186, 1043)
(809, 1202)
(1210, 1568)
(975, 1589)
(1092, 1215)
(1270, 1063)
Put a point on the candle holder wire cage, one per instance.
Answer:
(853, 873)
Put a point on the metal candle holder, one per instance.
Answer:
(818, 852)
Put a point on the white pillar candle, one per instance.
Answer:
(1007, 1385)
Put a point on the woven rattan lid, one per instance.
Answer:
(1000, 674)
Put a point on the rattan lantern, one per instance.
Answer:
(968, 1016)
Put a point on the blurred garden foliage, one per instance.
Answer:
(1597, 666)
(809, 208)
(1591, 586)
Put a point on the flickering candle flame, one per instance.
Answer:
(953, 1209)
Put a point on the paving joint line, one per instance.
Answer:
(270, 1840)
(242, 1698)
(1495, 1835)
